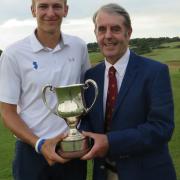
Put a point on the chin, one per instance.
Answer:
(109, 54)
(50, 31)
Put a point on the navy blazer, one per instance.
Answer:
(142, 122)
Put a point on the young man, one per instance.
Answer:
(46, 57)
(132, 119)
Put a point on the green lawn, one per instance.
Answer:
(175, 143)
(6, 153)
(166, 55)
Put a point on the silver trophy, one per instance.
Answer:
(71, 107)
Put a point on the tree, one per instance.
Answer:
(93, 47)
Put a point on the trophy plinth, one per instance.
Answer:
(73, 146)
(71, 107)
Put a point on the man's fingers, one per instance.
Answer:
(56, 158)
(86, 157)
(89, 134)
(60, 137)
(61, 160)
(89, 155)
(51, 163)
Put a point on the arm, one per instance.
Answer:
(13, 122)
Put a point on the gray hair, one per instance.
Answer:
(113, 8)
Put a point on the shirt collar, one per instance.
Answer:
(37, 46)
(121, 64)
(65, 39)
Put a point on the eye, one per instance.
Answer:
(116, 29)
(101, 29)
(43, 6)
(57, 6)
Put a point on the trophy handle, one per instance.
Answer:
(87, 82)
(51, 88)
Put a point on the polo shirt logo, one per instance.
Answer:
(35, 65)
(71, 59)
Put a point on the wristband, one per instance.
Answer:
(39, 144)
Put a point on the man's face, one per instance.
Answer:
(112, 35)
(49, 14)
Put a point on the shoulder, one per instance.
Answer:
(96, 69)
(17, 46)
(147, 64)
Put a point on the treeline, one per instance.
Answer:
(141, 45)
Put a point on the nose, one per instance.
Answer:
(50, 11)
(108, 34)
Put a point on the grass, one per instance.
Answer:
(6, 152)
(174, 143)
(95, 57)
(167, 55)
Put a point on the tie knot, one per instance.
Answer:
(112, 71)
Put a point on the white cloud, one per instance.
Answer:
(83, 28)
(155, 25)
(153, 18)
(14, 29)
(14, 23)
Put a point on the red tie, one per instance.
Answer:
(111, 97)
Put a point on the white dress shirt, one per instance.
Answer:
(120, 67)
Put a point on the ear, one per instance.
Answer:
(33, 11)
(96, 34)
(129, 32)
(66, 8)
(95, 30)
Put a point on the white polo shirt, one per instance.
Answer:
(26, 67)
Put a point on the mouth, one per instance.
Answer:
(110, 44)
(50, 20)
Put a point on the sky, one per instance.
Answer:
(155, 18)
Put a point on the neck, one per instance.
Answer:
(113, 59)
(48, 39)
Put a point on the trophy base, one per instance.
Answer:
(74, 148)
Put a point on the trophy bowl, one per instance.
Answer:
(71, 107)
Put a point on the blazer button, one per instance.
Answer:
(102, 167)
(124, 157)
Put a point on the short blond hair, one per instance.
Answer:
(33, 2)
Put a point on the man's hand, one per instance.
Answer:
(100, 147)
(48, 150)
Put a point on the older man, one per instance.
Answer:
(132, 119)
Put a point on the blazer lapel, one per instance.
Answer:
(129, 76)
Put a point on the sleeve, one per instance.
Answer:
(85, 62)
(9, 80)
(157, 128)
